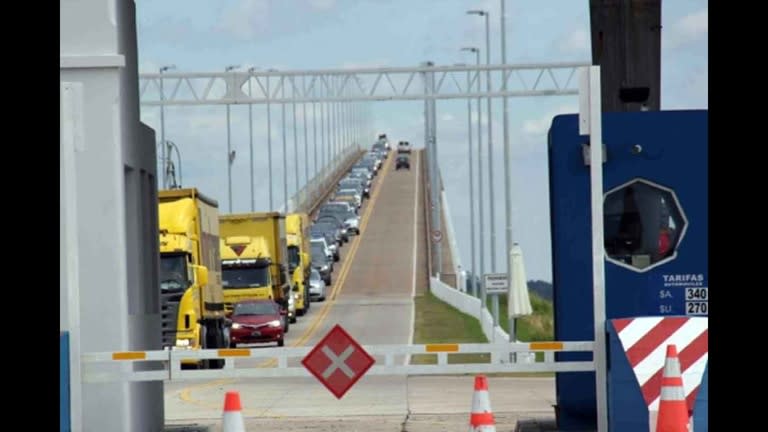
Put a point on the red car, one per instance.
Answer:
(257, 321)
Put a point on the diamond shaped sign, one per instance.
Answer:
(338, 361)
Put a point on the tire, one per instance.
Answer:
(322, 299)
(293, 320)
(281, 342)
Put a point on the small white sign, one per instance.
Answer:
(696, 294)
(697, 308)
(496, 283)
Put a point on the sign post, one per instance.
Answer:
(338, 361)
(495, 284)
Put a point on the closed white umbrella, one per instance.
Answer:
(518, 301)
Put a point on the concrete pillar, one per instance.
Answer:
(109, 252)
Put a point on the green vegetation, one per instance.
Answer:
(534, 328)
(540, 326)
(439, 322)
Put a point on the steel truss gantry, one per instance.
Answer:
(364, 84)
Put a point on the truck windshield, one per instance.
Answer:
(244, 277)
(173, 272)
(293, 256)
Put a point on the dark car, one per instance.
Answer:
(257, 321)
(402, 161)
(321, 263)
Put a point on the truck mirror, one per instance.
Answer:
(202, 275)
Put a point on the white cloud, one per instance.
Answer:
(687, 29)
(322, 4)
(541, 125)
(246, 19)
(576, 42)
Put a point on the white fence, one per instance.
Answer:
(321, 183)
(451, 237)
(284, 362)
(471, 306)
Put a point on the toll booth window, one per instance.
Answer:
(643, 224)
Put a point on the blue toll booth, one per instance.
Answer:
(64, 423)
(656, 223)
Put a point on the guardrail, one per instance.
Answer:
(278, 362)
(318, 186)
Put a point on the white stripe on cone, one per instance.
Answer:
(233, 422)
(481, 404)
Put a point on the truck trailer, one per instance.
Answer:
(191, 294)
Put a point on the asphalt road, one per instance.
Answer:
(372, 298)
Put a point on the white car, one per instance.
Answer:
(316, 286)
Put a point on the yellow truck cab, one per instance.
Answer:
(245, 269)
(191, 295)
(255, 259)
(299, 261)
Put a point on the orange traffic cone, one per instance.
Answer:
(673, 411)
(481, 419)
(233, 418)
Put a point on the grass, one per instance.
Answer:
(439, 322)
(538, 327)
(534, 328)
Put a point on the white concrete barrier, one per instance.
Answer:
(471, 306)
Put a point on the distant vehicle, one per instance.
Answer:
(402, 161)
(321, 263)
(383, 138)
(258, 321)
(404, 147)
(316, 286)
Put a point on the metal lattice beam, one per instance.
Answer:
(369, 84)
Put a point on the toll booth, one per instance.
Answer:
(655, 183)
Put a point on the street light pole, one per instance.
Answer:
(306, 140)
(295, 138)
(269, 144)
(250, 137)
(314, 133)
(490, 154)
(163, 155)
(481, 215)
(230, 159)
(473, 269)
(507, 165)
(285, 146)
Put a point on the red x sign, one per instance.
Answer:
(338, 361)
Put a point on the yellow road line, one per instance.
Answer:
(185, 394)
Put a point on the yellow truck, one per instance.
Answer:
(191, 295)
(255, 259)
(299, 261)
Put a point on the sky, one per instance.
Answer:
(206, 36)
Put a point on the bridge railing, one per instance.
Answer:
(285, 362)
(318, 186)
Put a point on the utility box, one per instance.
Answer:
(655, 183)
